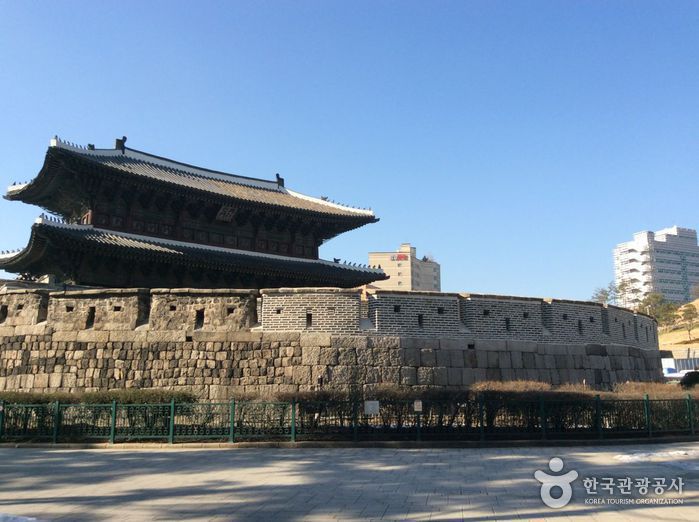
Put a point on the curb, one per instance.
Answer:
(349, 444)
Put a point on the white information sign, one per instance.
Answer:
(371, 407)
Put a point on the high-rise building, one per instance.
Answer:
(406, 271)
(664, 262)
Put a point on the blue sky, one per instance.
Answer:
(517, 142)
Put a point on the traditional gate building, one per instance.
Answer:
(133, 219)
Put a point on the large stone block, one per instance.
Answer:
(349, 341)
(310, 355)
(328, 356)
(384, 342)
(382, 356)
(166, 336)
(66, 337)
(408, 376)
(443, 358)
(504, 360)
(468, 376)
(253, 337)
(595, 349)
(347, 356)
(411, 357)
(493, 374)
(428, 357)
(470, 359)
(365, 356)
(441, 376)
(302, 375)
(455, 377)
(491, 345)
(315, 339)
(33, 329)
(7, 331)
(390, 375)
(516, 358)
(95, 336)
(280, 337)
(425, 376)
(456, 358)
(522, 346)
(453, 344)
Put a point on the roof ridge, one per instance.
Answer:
(162, 161)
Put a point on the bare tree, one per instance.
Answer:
(689, 316)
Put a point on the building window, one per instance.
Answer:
(486, 312)
(592, 319)
(173, 308)
(278, 311)
(117, 309)
(396, 308)
(420, 320)
(525, 315)
(507, 324)
(623, 330)
(309, 320)
(440, 310)
(3, 313)
(69, 308)
(580, 326)
(565, 317)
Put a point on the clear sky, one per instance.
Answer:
(516, 142)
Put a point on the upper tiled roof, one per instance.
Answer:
(165, 170)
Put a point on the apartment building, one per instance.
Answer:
(406, 271)
(665, 262)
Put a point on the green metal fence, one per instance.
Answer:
(479, 419)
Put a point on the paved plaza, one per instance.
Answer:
(327, 484)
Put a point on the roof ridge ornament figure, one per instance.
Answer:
(121, 144)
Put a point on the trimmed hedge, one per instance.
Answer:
(129, 396)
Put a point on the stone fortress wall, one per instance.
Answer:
(210, 341)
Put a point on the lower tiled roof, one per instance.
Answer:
(48, 234)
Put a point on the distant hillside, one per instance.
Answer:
(677, 340)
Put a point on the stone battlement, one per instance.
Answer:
(323, 310)
(467, 316)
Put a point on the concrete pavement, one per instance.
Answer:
(336, 484)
